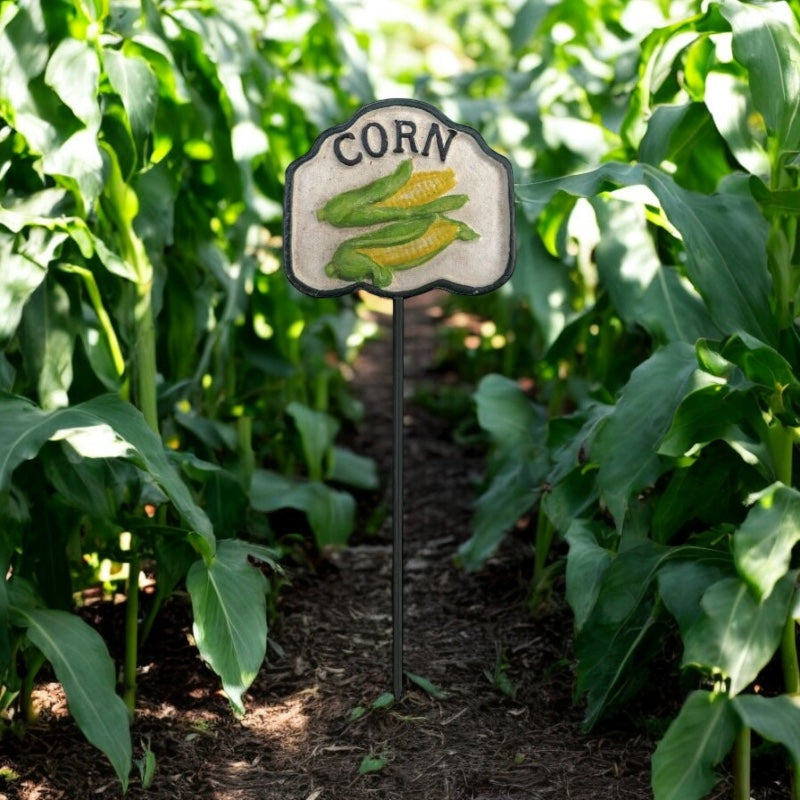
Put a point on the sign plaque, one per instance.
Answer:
(397, 201)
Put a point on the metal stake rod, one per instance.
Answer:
(397, 498)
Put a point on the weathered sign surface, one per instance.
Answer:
(397, 201)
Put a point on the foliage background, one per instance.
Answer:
(167, 396)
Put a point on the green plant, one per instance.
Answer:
(673, 484)
(148, 344)
(658, 261)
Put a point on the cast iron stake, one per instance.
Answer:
(397, 498)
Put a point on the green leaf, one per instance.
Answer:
(429, 688)
(708, 492)
(317, 432)
(230, 616)
(19, 279)
(506, 413)
(642, 290)
(626, 445)
(696, 741)
(73, 72)
(352, 469)
(384, 700)
(738, 635)
(685, 136)
(104, 427)
(763, 543)
(775, 718)
(47, 339)
(682, 584)
(84, 668)
(731, 106)
(371, 764)
(712, 412)
(587, 564)
(330, 513)
(134, 81)
(512, 493)
(518, 465)
(765, 41)
(611, 644)
(725, 237)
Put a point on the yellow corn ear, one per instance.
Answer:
(439, 235)
(420, 188)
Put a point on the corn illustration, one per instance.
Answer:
(400, 195)
(396, 246)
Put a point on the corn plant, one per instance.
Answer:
(151, 355)
(667, 462)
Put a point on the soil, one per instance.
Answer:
(503, 725)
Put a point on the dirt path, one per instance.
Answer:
(505, 728)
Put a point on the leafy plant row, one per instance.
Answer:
(657, 291)
(163, 392)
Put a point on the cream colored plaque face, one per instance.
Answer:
(397, 201)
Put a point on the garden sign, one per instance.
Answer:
(397, 201)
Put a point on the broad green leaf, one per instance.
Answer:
(504, 411)
(19, 279)
(104, 427)
(317, 432)
(611, 644)
(134, 81)
(330, 513)
(724, 236)
(696, 741)
(587, 564)
(230, 616)
(706, 493)
(541, 280)
(352, 469)
(626, 445)
(47, 337)
(738, 635)
(760, 363)
(73, 71)
(730, 105)
(763, 543)
(642, 290)
(607, 177)
(775, 718)
(512, 493)
(84, 668)
(681, 585)
(725, 239)
(518, 465)
(713, 412)
(766, 42)
(684, 138)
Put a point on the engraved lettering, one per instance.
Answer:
(442, 145)
(405, 129)
(383, 140)
(337, 149)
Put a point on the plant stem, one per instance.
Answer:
(247, 458)
(741, 765)
(131, 630)
(147, 401)
(781, 446)
(26, 689)
(544, 540)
